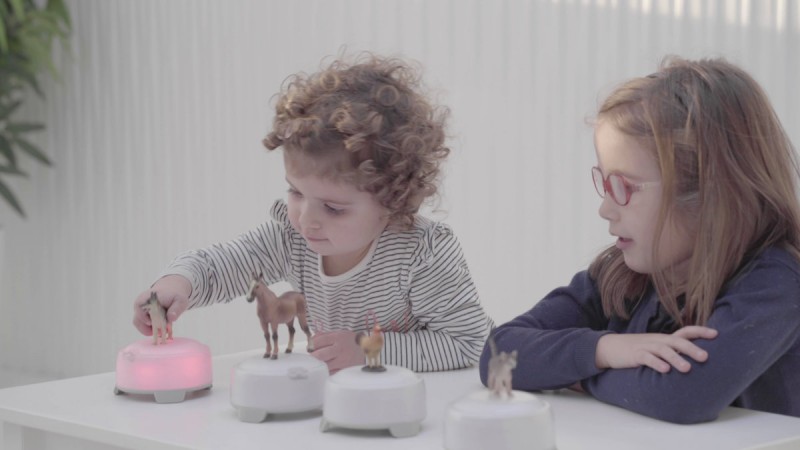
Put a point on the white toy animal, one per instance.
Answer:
(500, 367)
(162, 330)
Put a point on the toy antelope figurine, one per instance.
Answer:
(372, 345)
(500, 367)
(273, 310)
(162, 330)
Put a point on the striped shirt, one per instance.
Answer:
(415, 283)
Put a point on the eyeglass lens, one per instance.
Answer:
(614, 184)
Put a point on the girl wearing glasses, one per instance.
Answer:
(696, 306)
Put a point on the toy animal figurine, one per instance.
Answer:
(162, 330)
(500, 367)
(372, 345)
(273, 310)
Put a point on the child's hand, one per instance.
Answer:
(173, 293)
(655, 350)
(337, 349)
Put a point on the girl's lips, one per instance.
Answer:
(624, 243)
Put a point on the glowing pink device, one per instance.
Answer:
(168, 371)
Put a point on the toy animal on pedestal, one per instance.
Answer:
(374, 396)
(162, 330)
(521, 419)
(273, 310)
(500, 367)
(372, 345)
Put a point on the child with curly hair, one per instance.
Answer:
(362, 148)
(696, 306)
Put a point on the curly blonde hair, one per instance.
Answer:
(365, 123)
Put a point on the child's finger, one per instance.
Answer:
(691, 350)
(654, 362)
(324, 354)
(178, 306)
(323, 340)
(141, 320)
(696, 332)
(145, 329)
(675, 360)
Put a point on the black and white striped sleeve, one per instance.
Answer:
(222, 272)
(453, 324)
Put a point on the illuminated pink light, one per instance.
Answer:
(179, 364)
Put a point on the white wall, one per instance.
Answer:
(155, 132)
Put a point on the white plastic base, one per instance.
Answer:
(168, 371)
(295, 382)
(481, 421)
(393, 400)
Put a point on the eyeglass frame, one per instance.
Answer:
(630, 188)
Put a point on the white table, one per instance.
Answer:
(84, 413)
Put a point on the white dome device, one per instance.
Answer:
(482, 420)
(499, 417)
(294, 382)
(374, 396)
(392, 399)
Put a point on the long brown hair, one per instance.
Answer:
(726, 163)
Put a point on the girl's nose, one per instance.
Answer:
(308, 218)
(608, 209)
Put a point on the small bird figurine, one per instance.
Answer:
(372, 345)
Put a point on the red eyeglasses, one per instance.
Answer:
(616, 185)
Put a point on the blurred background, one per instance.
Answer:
(154, 131)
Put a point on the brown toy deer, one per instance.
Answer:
(273, 310)
(162, 330)
(372, 345)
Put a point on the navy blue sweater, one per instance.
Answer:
(754, 362)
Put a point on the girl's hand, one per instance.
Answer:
(658, 351)
(337, 349)
(173, 293)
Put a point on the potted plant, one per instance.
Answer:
(28, 29)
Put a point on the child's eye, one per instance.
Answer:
(294, 192)
(331, 210)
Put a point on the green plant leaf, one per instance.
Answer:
(3, 38)
(28, 29)
(7, 110)
(18, 70)
(38, 52)
(33, 151)
(9, 196)
(60, 9)
(24, 127)
(12, 170)
(7, 151)
(18, 8)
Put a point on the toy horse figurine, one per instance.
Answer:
(162, 330)
(372, 345)
(273, 310)
(500, 367)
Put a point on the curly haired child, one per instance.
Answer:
(362, 148)
(697, 304)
